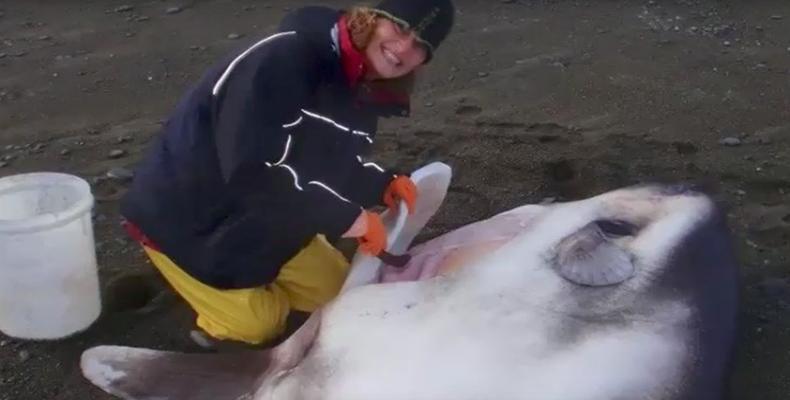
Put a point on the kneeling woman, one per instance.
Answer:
(262, 165)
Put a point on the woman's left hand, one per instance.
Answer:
(401, 188)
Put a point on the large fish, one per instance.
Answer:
(627, 295)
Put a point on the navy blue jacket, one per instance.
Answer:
(264, 153)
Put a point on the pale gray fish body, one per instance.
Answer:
(628, 295)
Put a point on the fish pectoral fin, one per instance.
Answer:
(289, 353)
(143, 374)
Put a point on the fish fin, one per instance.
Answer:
(291, 351)
(145, 374)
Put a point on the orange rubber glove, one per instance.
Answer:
(401, 188)
(370, 233)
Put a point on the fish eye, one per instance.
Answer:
(616, 227)
(590, 256)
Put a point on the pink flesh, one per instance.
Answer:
(438, 263)
(457, 248)
(438, 256)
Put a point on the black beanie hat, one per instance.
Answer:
(431, 20)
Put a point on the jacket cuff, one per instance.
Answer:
(336, 218)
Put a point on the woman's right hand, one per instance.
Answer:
(370, 233)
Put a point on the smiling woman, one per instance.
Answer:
(395, 40)
(263, 166)
(391, 49)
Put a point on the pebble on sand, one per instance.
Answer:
(24, 355)
(124, 8)
(120, 174)
(174, 10)
(234, 36)
(730, 141)
(117, 153)
(3, 164)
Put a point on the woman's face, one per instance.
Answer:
(393, 51)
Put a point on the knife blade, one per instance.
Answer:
(399, 260)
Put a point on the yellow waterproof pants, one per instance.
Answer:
(309, 280)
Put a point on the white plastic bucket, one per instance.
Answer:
(49, 285)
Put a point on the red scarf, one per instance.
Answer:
(352, 59)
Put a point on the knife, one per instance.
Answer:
(398, 261)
